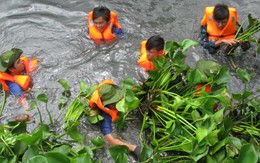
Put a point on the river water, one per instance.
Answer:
(55, 32)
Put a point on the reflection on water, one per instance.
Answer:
(55, 32)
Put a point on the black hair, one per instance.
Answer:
(220, 12)
(101, 11)
(156, 42)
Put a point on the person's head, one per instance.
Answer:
(10, 61)
(101, 16)
(110, 94)
(220, 15)
(154, 46)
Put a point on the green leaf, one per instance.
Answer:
(208, 68)
(199, 152)
(98, 142)
(122, 158)
(218, 116)
(30, 139)
(121, 106)
(1, 130)
(236, 142)
(19, 128)
(83, 86)
(64, 149)
(146, 153)
(20, 147)
(38, 159)
(57, 157)
(95, 119)
(64, 84)
(201, 133)
(179, 58)
(187, 43)
(91, 90)
(33, 105)
(187, 146)
(75, 134)
(222, 77)
(3, 159)
(86, 150)
(246, 94)
(243, 75)
(116, 150)
(247, 154)
(43, 98)
(128, 83)
(196, 77)
(255, 104)
(153, 74)
(217, 146)
(212, 137)
(237, 96)
(170, 46)
(31, 152)
(83, 159)
(62, 100)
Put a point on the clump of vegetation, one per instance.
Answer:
(189, 113)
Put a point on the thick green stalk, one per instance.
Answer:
(3, 102)
(39, 114)
(7, 146)
(50, 117)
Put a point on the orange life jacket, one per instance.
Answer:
(23, 80)
(106, 35)
(215, 34)
(96, 100)
(207, 89)
(143, 61)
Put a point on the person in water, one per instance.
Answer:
(103, 25)
(218, 27)
(15, 73)
(150, 49)
(104, 100)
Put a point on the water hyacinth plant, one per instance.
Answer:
(184, 112)
(247, 34)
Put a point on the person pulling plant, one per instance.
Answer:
(15, 75)
(151, 49)
(218, 27)
(103, 101)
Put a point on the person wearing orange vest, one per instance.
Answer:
(104, 99)
(218, 27)
(150, 49)
(15, 73)
(103, 26)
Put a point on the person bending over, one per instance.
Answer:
(104, 99)
(150, 49)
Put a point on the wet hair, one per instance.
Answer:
(220, 12)
(156, 42)
(101, 11)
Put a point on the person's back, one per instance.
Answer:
(103, 25)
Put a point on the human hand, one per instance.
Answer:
(230, 42)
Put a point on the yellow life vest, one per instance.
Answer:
(106, 35)
(95, 100)
(215, 34)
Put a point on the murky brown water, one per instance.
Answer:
(55, 32)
